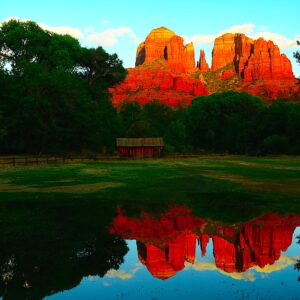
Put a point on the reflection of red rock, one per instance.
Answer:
(166, 243)
(258, 243)
(203, 241)
(164, 262)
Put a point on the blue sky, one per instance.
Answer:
(119, 25)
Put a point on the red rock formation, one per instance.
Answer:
(144, 85)
(140, 54)
(164, 244)
(232, 49)
(156, 43)
(252, 59)
(266, 62)
(189, 58)
(175, 53)
(203, 65)
(273, 89)
(165, 70)
(164, 44)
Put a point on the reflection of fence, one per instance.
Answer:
(43, 159)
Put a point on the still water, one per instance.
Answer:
(170, 255)
(179, 256)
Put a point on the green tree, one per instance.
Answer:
(225, 122)
(276, 144)
(158, 116)
(56, 92)
(132, 118)
(297, 53)
(175, 135)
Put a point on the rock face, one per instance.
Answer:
(203, 65)
(144, 85)
(165, 70)
(266, 62)
(189, 58)
(231, 49)
(251, 59)
(164, 244)
(156, 44)
(164, 44)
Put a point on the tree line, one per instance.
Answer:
(228, 122)
(53, 92)
(54, 99)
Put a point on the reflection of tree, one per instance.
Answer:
(41, 271)
(43, 262)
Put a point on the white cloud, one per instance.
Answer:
(109, 37)
(123, 275)
(120, 274)
(14, 18)
(249, 275)
(280, 40)
(105, 22)
(200, 39)
(89, 29)
(211, 266)
(75, 32)
(263, 28)
(242, 28)
(246, 28)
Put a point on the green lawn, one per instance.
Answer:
(229, 188)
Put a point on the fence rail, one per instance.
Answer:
(14, 160)
(51, 159)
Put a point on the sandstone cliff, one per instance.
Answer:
(252, 59)
(203, 65)
(165, 70)
(163, 43)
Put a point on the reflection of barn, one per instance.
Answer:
(140, 147)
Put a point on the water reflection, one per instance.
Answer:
(122, 256)
(166, 243)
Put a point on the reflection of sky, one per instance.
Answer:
(199, 281)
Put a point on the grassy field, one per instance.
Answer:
(219, 187)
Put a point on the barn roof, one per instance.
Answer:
(139, 142)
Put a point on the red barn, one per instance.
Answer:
(140, 147)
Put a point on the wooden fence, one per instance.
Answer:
(51, 159)
(15, 160)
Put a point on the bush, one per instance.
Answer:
(276, 144)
